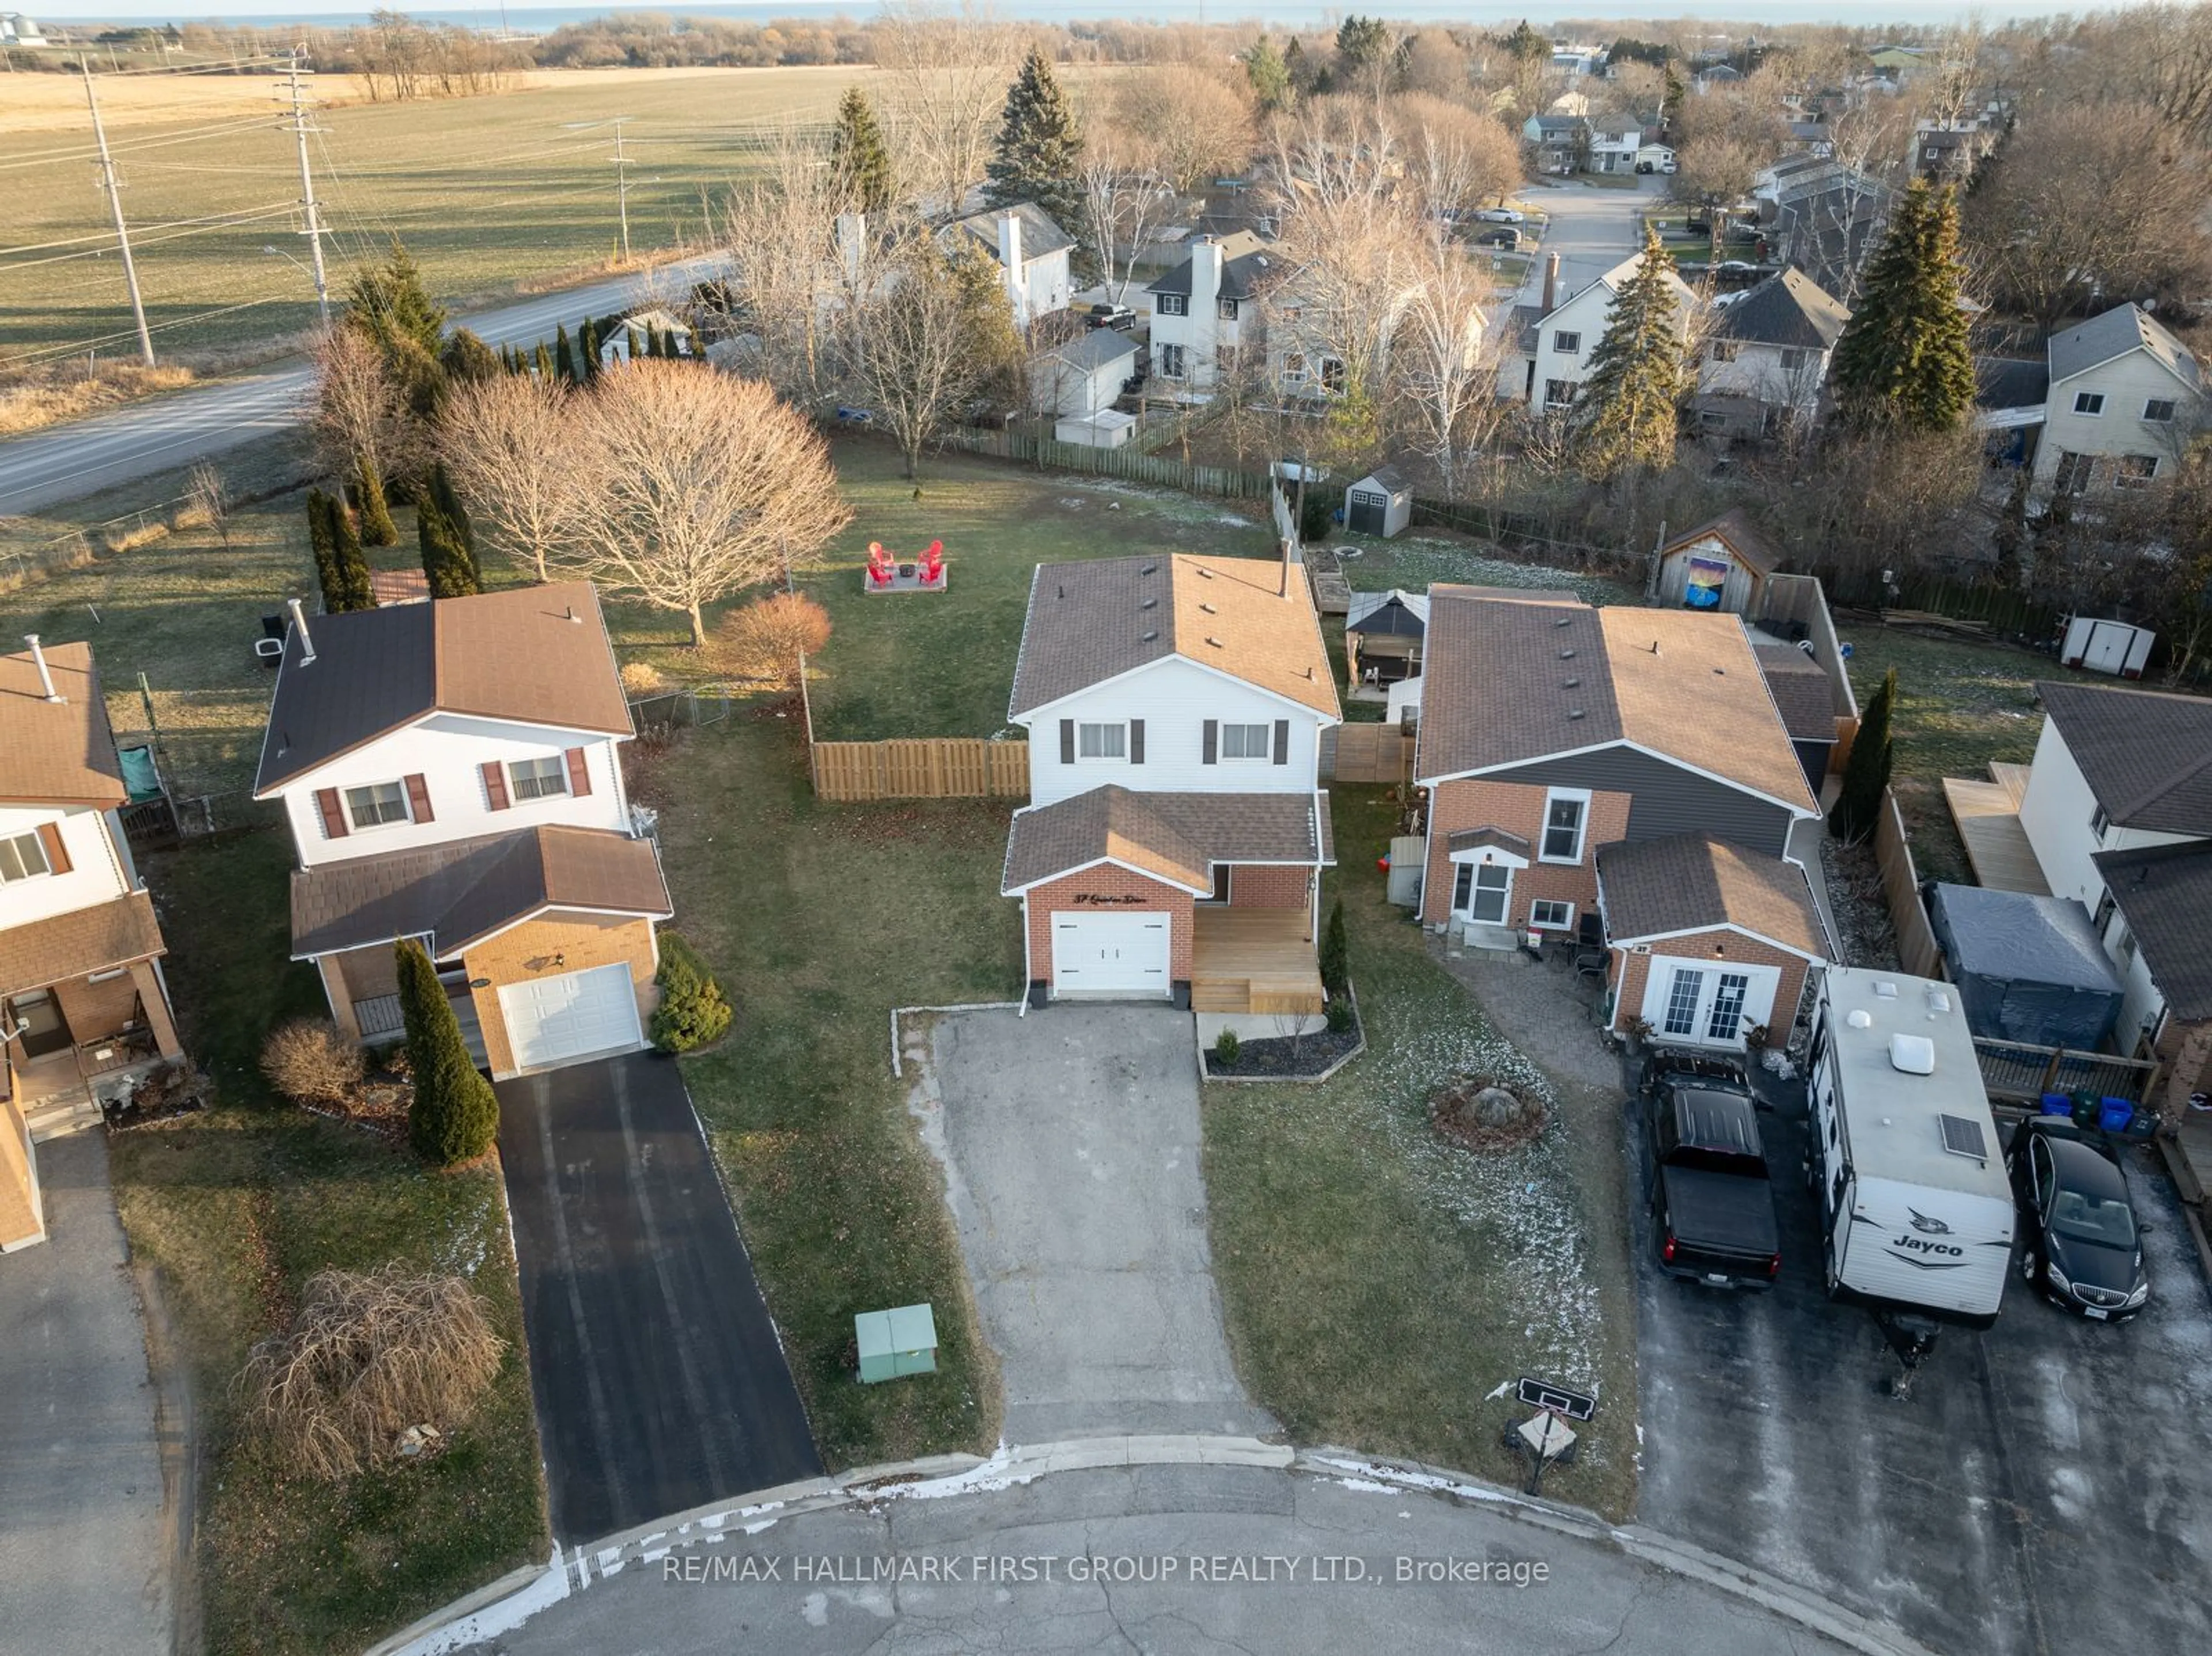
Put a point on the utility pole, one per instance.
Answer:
(313, 232)
(621, 186)
(115, 204)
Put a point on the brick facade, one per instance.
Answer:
(1518, 808)
(558, 943)
(1267, 885)
(1111, 881)
(1631, 972)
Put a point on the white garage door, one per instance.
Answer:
(552, 1020)
(1110, 954)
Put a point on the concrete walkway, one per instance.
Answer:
(84, 1548)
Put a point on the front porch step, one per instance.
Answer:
(59, 1116)
(1255, 996)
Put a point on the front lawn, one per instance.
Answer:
(1379, 1283)
(232, 1210)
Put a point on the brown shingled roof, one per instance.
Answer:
(1176, 837)
(1734, 529)
(1801, 691)
(64, 946)
(1691, 882)
(1095, 620)
(56, 753)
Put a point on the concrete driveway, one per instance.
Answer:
(84, 1544)
(660, 1382)
(1591, 228)
(2046, 1488)
(1070, 1144)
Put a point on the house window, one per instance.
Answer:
(1294, 367)
(1171, 362)
(377, 805)
(1564, 810)
(1569, 345)
(1728, 1006)
(2124, 944)
(2089, 402)
(1557, 393)
(1547, 915)
(22, 857)
(1792, 360)
(2134, 471)
(2098, 821)
(1682, 998)
(1225, 309)
(1173, 305)
(537, 778)
(1721, 350)
(1332, 376)
(2158, 411)
(1245, 741)
(2072, 476)
(1102, 741)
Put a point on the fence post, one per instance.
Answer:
(2051, 1071)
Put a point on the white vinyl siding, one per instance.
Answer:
(1248, 742)
(98, 870)
(1173, 698)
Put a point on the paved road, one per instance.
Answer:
(1591, 229)
(2045, 1489)
(1224, 1518)
(1071, 1140)
(87, 455)
(658, 1380)
(83, 1546)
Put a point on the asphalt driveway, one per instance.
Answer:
(84, 1548)
(659, 1380)
(1071, 1142)
(2046, 1488)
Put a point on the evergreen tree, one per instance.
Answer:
(455, 1116)
(1670, 100)
(322, 540)
(860, 160)
(1038, 154)
(446, 563)
(389, 303)
(1268, 76)
(1624, 415)
(587, 352)
(693, 1009)
(1365, 42)
(1335, 954)
(377, 528)
(1866, 772)
(1298, 67)
(542, 360)
(1904, 361)
(448, 502)
(564, 360)
(350, 565)
(467, 359)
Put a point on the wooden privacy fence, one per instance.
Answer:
(1917, 952)
(1368, 752)
(932, 768)
(2022, 1073)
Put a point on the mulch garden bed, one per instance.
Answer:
(1273, 1057)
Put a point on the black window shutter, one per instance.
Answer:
(1067, 742)
(1136, 741)
(1213, 742)
(1282, 741)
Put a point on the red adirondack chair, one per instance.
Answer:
(933, 563)
(882, 566)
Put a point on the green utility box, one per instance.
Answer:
(894, 1342)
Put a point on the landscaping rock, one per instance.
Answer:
(1478, 1113)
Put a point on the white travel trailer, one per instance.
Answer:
(1917, 1213)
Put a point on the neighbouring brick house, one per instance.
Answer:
(1629, 766)
(451, 772)
(82, 994)
(1175, 833)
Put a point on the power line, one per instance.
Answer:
(230, 221)
(115, 205)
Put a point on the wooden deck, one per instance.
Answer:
(1253, 959)
(1988, 816)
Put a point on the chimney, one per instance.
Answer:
(1550, 282)
(1010, 261)
(300, 626)
(851, 245)
(1205, 275)
(46, 676)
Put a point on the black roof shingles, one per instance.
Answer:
(2165, 892)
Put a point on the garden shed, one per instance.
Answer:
(1382, 636)
(1381, 503)
(1721, 564)
(2028, 968)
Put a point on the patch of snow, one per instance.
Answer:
(494, 1621)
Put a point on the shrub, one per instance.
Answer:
(369, 1355)
(1339, 1014)
(1226, 1047)
(1335, 958)
(309, 1062)
(761, 643)
(642, 677)
(454, 1117)
(692, 1011)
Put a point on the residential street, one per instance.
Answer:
(83, 1547)
(1592, 229)
(65, 462)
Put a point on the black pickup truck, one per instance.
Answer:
(1712, 1208)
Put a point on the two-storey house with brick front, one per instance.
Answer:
(82, 994)
(1621, 774)
(1176, 831)
(451, 772)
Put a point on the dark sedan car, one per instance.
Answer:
(2083, 1249)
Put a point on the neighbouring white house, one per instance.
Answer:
(1765, 365)
(1554, 340)
(634, 335)
(18, 30)
(1032, 253)
(2126, 396)
(451, 772)
(1559, 143)
(1205, 310)
(1083, 375)
(1176, 831)
(82, 1000)
(1614, 147)
(1659, 157)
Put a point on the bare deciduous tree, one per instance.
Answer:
(1446, 362)
(691, 486)
(507, 443)
(207, 497)
(359, 415)
(791, 268)
(1125, 202)
(1199, 123)
(933, 336)
(1453, 160)
(948, 70)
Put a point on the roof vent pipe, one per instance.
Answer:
(46, 676)
(300, 626)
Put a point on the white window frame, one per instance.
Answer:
(1294, 367)
(1557, 795)
(1225, 310)
(354, 824)
(1474, 887)
(2165, 403)
(37, 847)
(1173, 304)
(559, 790)
(1121, 727)
(1566, 342)
(2082, 398)
(1572, 387)
(2122, 478)
(1172, 362)
(1267, 754)
(1564, 920)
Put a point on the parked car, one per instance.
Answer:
(1508, 237)
(2083, 1249)
(1712, 1205)
(1501, 215)
(1120, 318)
